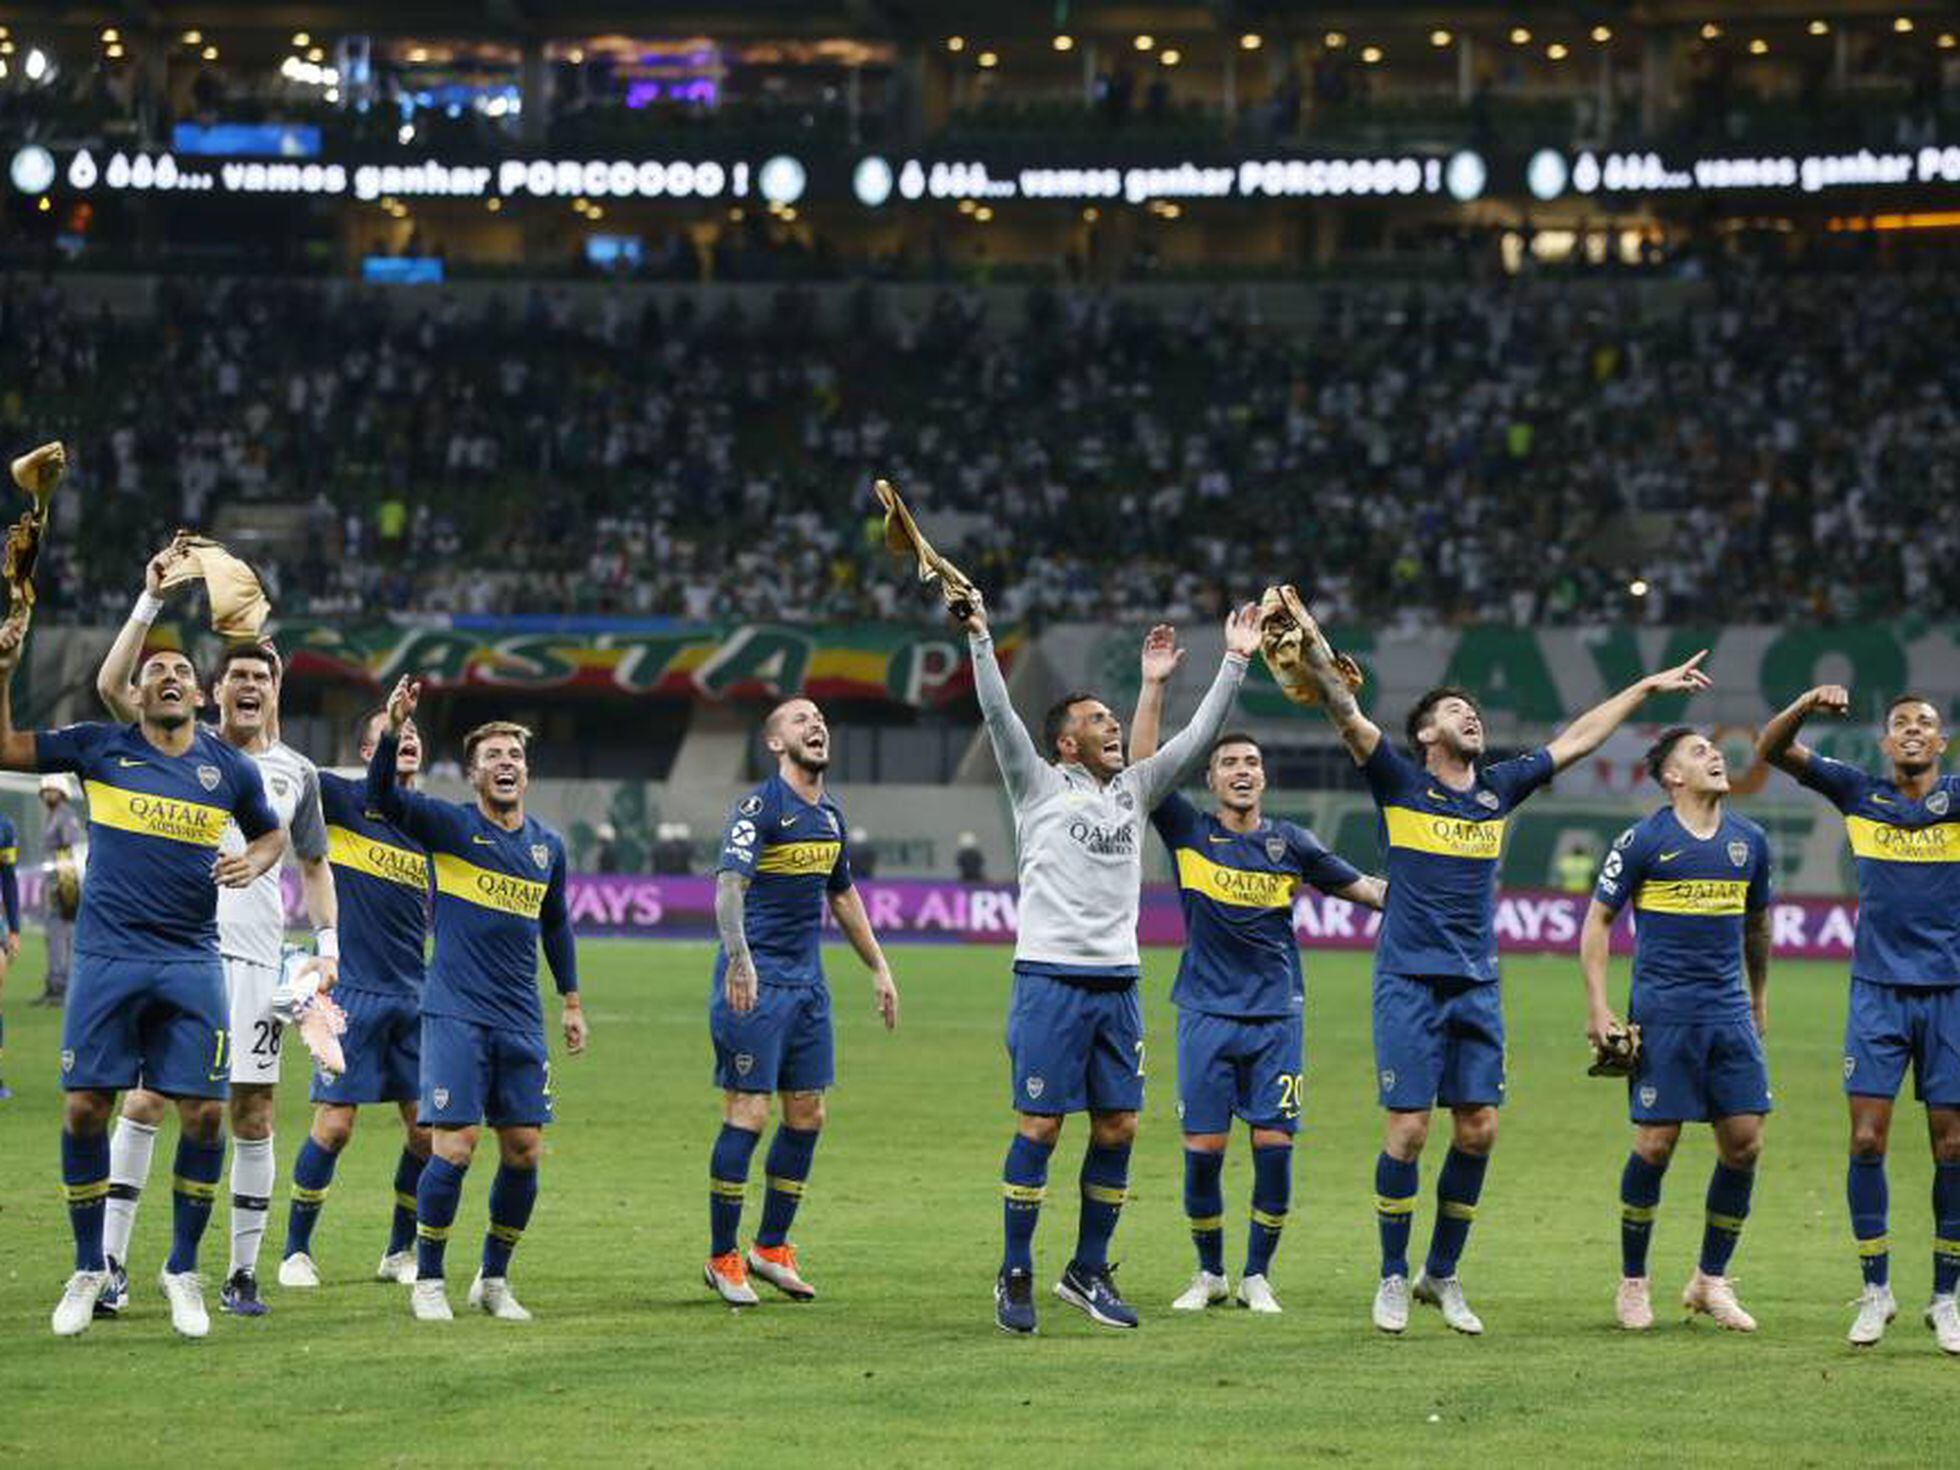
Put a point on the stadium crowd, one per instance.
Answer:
(1782, 448)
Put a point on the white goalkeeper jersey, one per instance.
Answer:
(1080, 843)
(252, 920)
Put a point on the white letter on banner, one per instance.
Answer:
(510, 176)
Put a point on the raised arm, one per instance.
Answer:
(16, 746)
(1595, 948)
(1587, 733)
(1020, 763)
(561, 955)
(115, 681)
(1161, 656)
(1358, 733)
(1778, 744)
(1157, 775)
(848, 909)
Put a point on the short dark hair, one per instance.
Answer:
(365, 724)
(1663, 747)
(259, 651)
(482, 733)
(1911, 698)
(769, 720)
(1056, 720)
(1234, 737)
(1419, 716)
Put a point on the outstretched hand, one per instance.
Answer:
(1161, 655)
(1683, 678)
(406, 694)
(1242, 631)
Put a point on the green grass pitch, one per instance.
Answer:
(632, 1362)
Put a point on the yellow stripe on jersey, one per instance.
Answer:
(155, 816)
(486, 889)
(1446, 836)
(358, 854)
(9, 856)
(1890, 844)
(1707, 896)
(1238, 886)
(799, 858)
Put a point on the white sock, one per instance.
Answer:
(252, 1176)
(130, 1149)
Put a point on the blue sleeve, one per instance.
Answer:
(9, 879)
(333, 797)
(741, 835)
(437, 825)
(1327, 871)
(1177, 821)
(1624, 866)
(1515, 779)
(1389, 772)
(249, 808)
(555, 927)
(1838, 783)
(1762, 888)
(839, 880)
(71, 748)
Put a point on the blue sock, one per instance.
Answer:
(785, 1172)
(1870, 1201)
(1204, 1203)
(1946, 1228)
(437, 1194)
(728, 1181)
(1105, 1185)
(312, 1178)
(1024, 1185)
(1458, 1187)
(1728, 1207)
(1396, 1181)
(191, 1194)
(1272, 1196)
(408, 1175)
(85, 1183)
(512, 1194)
(1640, 1196)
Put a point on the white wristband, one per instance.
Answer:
(326, 944)
(148, 605)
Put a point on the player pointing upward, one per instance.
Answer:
(1075, 1030)
(1439, 1028)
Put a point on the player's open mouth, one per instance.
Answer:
(505, 783)
(1113, 749)
(249, 704)
(1242, 786)
(171, 694)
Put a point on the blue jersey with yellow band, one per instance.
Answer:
(155, 821)
(1907, 854)
(499, 893)
(1690, 896)
(1240, 955)
(9, 881)
(1442, 851)
(381, 876)
(793, 853)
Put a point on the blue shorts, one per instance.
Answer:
(783, 1045)
(1891, 1025)
(161, 1023)
(383, 1046)
(1697, 1073)
(1228, 1067)
(1073, 1048)
(1438, 1042)
(482, 1074)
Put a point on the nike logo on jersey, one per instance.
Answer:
(1877, 800)
(482, 841)
(1668, 857)
(1434, 795)
(1215, 838)
(789, 821)
(125, 762)
(373, 816)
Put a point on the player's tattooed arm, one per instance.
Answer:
(1587, 733)
(1161, 656)
(1595, 946)
(1368, 891)
(1358, 733)
(731, 905)
(1778, 744)
(1755, 961)
(115, 681)
(848, 909)
(16, 746)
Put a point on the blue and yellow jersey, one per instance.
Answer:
(499, 892)
(1240, 956)
(793, 854)
(1907, 854)
(1442, 851)
(155, 821)
(1689, 895)
(9, 880)
(382, 878)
